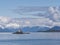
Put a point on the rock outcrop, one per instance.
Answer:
(20, 32)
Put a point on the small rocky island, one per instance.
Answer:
(20, 32)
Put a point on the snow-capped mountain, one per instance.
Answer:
(56, 28)
(35, 29)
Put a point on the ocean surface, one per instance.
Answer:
(36, 38)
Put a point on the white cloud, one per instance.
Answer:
(55, 13)
(44, 21)
(27, 22)
(56, 24)
(15, 23)
(52, 10)
(4, 19)
(37, 22)
(12, 25)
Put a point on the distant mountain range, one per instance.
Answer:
(56, 28)
(25, 29)
(8, 30)
(33, 29)
(53, 29)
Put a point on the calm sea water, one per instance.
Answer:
(30, 39)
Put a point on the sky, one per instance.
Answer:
(40, 12)
(7, 7)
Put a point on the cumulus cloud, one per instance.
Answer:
(55, 13)
(4, 19)
(6, 22)
(27, 22)
(15, 23)
(42, 22)
(56, 24)
(12, 25)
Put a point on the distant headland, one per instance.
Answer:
(54, 29)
